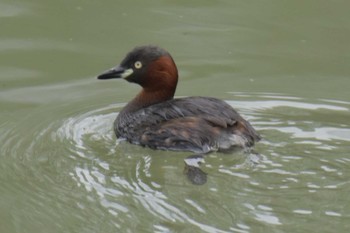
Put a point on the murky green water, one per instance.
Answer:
(283, 64)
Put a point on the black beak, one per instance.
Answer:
(115, 72)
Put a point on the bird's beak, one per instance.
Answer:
(116, 72)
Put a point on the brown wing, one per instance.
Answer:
(198, 124)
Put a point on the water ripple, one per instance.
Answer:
(303, 153)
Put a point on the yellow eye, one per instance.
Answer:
(138, 65)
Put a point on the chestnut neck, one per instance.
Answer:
(158, 84)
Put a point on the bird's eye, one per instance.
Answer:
(138, 65)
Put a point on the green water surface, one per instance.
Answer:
(284, 65)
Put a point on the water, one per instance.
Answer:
(282, 64)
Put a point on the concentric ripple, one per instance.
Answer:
(78, 162)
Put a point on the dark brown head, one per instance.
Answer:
(149, 66)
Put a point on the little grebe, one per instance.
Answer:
(157, 120)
